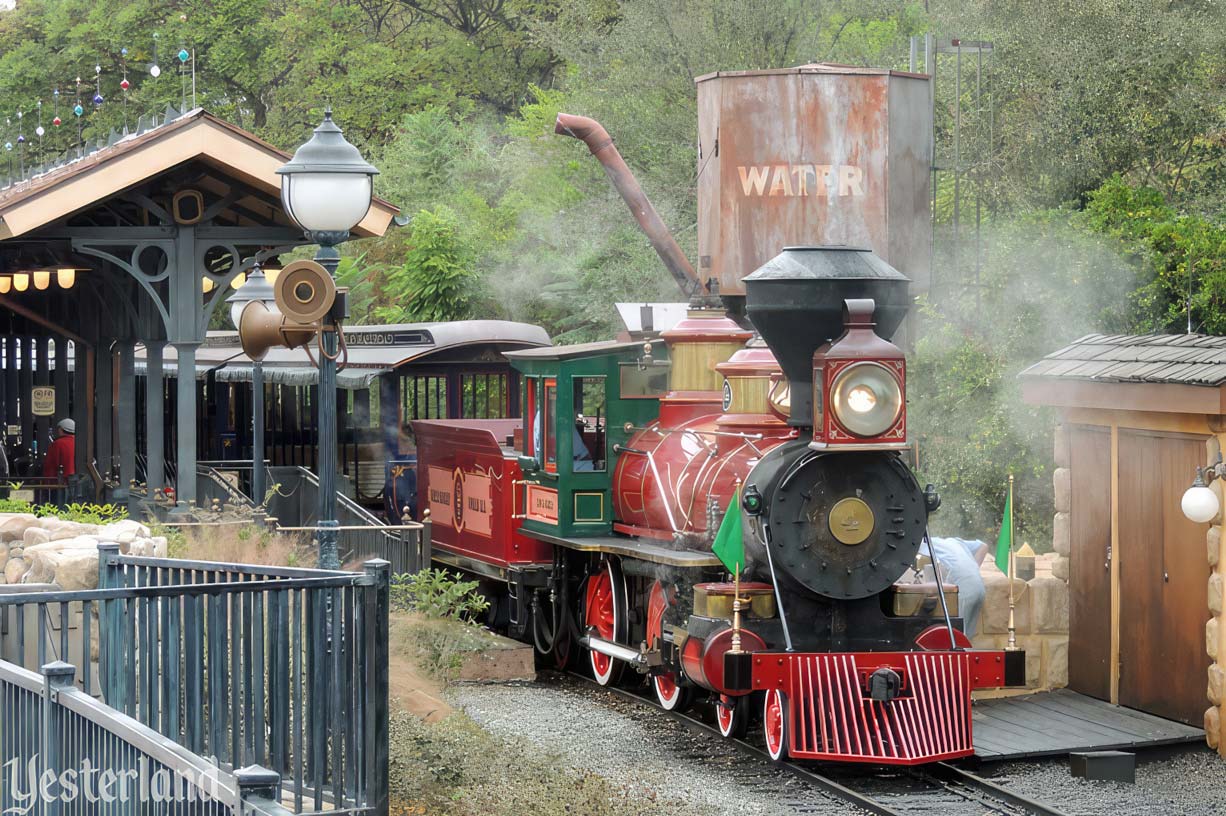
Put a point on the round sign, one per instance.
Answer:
(727, 395)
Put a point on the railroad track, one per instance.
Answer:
(891, 791)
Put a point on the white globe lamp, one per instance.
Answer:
(1199, 503)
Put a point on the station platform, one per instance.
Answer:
(1051, 723)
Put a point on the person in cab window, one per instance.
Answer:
(583, 457)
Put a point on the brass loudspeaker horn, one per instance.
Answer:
(305, 292)
(262, 326)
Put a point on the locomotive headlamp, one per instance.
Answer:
(866, 399)
(1199, 503)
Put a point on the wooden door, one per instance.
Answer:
(1163, 575)
(1089, 669)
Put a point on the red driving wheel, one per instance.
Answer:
(774, 723)
(604, 609)
(673, 696)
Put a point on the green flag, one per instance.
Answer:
(728, 546)
(1004, 541)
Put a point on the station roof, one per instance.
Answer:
(192, 136)
(1183, 373)
(372, 350)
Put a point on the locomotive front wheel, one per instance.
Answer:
(604, 609)
(732, 716)
(774, 723)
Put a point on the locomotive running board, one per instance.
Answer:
(625, 547)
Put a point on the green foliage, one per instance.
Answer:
(1083, 89)
(176, 539)
(15, 506)
(1182, 257)
(438, 594)
(84, 513)
(435, 282)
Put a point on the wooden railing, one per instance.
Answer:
(281, 668)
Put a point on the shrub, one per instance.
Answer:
(83, 513)
(15, 506)
(438, 594)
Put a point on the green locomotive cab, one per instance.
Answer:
(580, 403)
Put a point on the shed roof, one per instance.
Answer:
(63, 190)
(1189, 359)
(1180, 373)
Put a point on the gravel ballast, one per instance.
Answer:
(595, 731)
(1190, 783)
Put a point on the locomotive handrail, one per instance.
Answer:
(412, 525)
(630, 428)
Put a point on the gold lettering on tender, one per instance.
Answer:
(801, 172)
(782, 182)
(821, 174)
(753, 179)
(851, 180)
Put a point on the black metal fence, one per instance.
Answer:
(254, 666)
(105, 762)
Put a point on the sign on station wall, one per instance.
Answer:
(42, 400)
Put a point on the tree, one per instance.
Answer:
(435, 283)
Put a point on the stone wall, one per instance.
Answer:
(1215, 629)
(1040, 613)
(65, 553)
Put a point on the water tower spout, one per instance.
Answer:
(597, 139)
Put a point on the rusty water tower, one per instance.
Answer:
(809, 156)
(815, 155)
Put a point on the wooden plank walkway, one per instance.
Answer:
(1062, 721)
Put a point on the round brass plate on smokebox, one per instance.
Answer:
(851, 521)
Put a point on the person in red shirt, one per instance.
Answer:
(62, 453)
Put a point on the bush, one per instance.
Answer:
(438, 594)
(83, 513)
(15, 506)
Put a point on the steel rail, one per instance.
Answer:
(939, 774)
(822, 783)
(946, 771)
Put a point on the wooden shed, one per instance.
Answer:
(1138, 414)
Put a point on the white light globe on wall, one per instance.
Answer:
(1200, 504)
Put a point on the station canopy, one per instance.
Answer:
(371, 351)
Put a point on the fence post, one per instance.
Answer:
(425, 542)
(108, 628)
(57, 676)
(254, 783)
(377, 686)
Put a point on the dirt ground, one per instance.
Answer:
(410, 688)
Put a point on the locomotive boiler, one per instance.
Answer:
(592, 523)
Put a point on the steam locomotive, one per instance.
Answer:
(595, 520)
(592, 519)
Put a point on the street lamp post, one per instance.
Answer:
(326, 188)
(256, 288)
